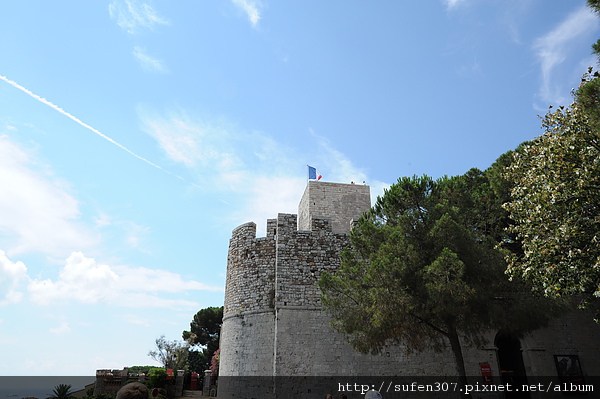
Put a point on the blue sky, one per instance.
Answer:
(136, 134)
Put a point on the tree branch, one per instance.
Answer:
(429, 324)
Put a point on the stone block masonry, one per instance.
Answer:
(342, 203)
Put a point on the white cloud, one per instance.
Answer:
(377, 190)
(82, 279)
(103, 220)
(343, 170)
(513, 16)
(257, 175)
(149, 64)
(37, 213)
(450, 4)
(216, 150)
(135, 234)
(230, 162)
(553, 49)
(136, 319)
(250, 8)
(63, 328)
(12, 274)
(340, 167)
(190, 142)
(131, 15)
(270, 196)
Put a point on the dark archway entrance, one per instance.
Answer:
(510, 359)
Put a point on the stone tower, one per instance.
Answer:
(271, 284)
(342, 203)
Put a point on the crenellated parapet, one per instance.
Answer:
(250, 271)
(281, 269)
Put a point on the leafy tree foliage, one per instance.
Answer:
(555, 201)
(196, 360)
(423, 270)
(171, 354)
(134, 370)
(157, 378)
(595, 6)
(204, 332)
(61, 391)
(588, 99)
(205, 328)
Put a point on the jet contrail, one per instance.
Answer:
(85, 125)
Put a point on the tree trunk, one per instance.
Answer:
(458, 356)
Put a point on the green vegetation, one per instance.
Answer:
(61, 391)
(203, 337)
(171, 354)
(423, 270)
(157, 378)
(136, 370)
(555, 201)
(595, 6)
(195, 353)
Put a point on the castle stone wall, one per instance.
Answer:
(248, 339)
(574, 333)
(301, 258)
(307, 345)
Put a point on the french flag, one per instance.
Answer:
(313, 173)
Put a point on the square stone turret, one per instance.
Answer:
(342, 203)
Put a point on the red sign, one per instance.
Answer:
(194, 382)
(486, 373)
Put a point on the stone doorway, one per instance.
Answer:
(510, 360)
